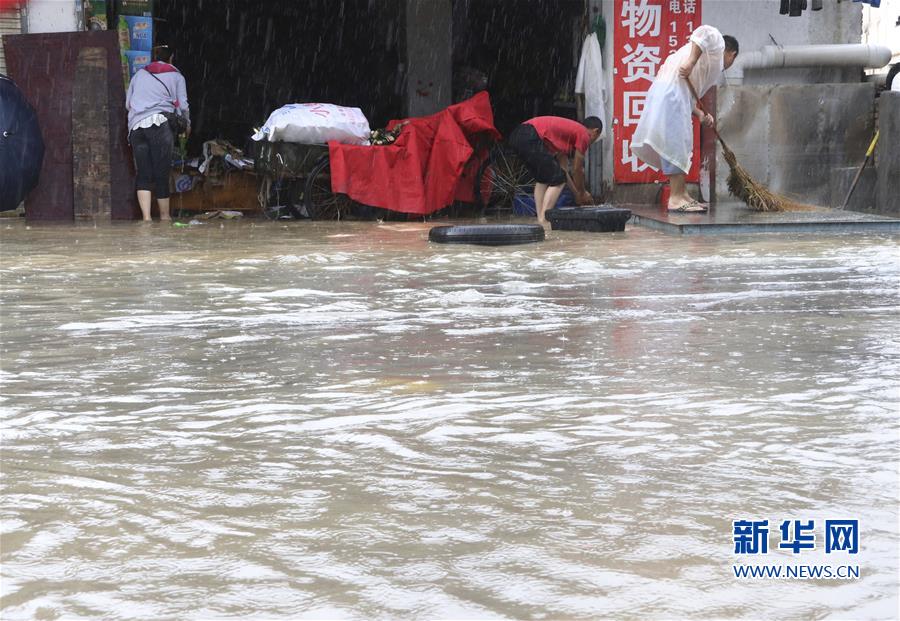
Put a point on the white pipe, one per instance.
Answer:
(836, 55)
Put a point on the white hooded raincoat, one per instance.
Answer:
(666, 126)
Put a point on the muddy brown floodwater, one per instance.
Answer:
(287, 421)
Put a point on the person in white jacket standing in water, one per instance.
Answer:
(664, 138)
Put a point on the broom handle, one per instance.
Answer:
(859, 172)
(700, 106)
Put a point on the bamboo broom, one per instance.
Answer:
(741, 184)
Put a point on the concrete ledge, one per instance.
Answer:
(887, 155)
(737, 219)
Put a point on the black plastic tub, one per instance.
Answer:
(595, 219)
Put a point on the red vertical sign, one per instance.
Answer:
(646, 32)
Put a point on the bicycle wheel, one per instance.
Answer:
(499, 179)
(321, 202)
(278, 199)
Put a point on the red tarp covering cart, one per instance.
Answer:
(431, 164)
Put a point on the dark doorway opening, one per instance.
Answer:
(527, 51)
(243, 58)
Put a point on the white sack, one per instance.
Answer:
(315, 123)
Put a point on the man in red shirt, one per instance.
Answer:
(545, 144)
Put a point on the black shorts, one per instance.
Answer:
(152, 148)
(537, 158)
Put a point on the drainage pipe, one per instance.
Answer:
(835, 55)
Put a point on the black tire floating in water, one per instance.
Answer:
(594, 219)
(487, 234)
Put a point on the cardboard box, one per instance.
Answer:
(136, 61)
(124, 37)
(140, 32)
(238, 191)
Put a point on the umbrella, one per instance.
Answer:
(21, 146)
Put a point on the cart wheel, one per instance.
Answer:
(499, 179)
(321, 202)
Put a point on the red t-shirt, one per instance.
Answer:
(561, 135)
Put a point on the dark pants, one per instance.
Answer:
(537, 158)
(152, 148)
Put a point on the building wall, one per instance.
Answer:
(813, 156)
(756, 24)
(602, 167)
(881, 26)
(887, 155)
(429, 56)
(752, 23)
(10, 23)
(52, 16)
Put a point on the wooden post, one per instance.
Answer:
(90, 135)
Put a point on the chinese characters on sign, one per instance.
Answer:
(646, 32)
(752, 536)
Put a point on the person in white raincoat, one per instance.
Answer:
(664, 138)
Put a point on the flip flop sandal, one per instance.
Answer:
(691, 207)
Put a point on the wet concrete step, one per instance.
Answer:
(736, 218)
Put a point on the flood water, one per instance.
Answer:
(343, 421)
